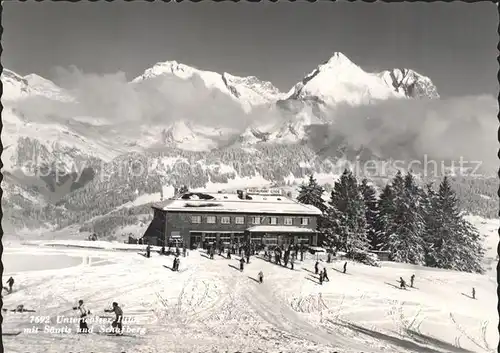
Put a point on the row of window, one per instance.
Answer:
(288, 221)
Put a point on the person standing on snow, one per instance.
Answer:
(402, 283)
(321, 278)
(345, 267)
(148, 251)
(473, 293)
(291, 263)
(117, 324)
(412, 278)
(10, 283)
(316, 267)
(83, 314)
(242, 263)
(325, 275)
(261, 277)
(229, 254)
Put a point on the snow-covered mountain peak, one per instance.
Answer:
(168, 67)
(251, 90)
(248, 91)
(39, 81)
(410, 82)
(339, 80)
(16, 86)
(338, 61)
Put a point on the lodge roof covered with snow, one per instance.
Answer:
(236, 203)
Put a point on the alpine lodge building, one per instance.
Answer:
(198, 219)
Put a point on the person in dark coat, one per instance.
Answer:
(402, 283)
(242, 264)
(325, 275)
(248, 257)
(412, 278)
(316, 267)
(148, 251)
(228, 253)
(10, 283)
(261, 277)
(117, 324)
(321, 278)
(345, 267)
(473, 293)
(291, 263)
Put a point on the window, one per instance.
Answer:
(255, 220)
(288, 221)
(175, 235)
(274, 220)
(304, 221)
(239, 220)
(196, 219)
(211, 219)
(225, 220)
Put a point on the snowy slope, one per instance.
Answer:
(192, 137)
(209, 306)
(248, 91)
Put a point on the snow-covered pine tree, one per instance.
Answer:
(312, 194)
(456, 244)
(387, 212)
(348, 212)
(429, 197)
(405, 237)
(371, 212)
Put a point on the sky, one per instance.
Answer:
(455, 44)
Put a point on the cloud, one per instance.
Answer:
(447, 129)
(160, 101)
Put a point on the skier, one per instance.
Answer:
(229, 254)
(162, 251)
(83, 314)
(211, 253)
(321, 278)
(10, 283)
(412, 278)
(261, 277)
(242, 263)
(345, 267)
(119, 316)
(316, 267)
(177, 262)
(291, 263)
(325, 275)
(148, 251)
(402, 283)
(473, 293)
(329, 259)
